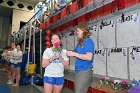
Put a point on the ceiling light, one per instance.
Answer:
(20, 5)
(10, 3)
(30, 8)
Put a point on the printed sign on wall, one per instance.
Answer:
(99, 63)
(128, 31)
(117, 63)
(107, 34)
(134, 63)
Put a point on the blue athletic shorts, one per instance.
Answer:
(4, 61)
(18, 65)
(54, 80)
(12, 65)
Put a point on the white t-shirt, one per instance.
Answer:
(14, 54)
(56, 68)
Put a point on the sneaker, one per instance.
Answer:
(10, 82)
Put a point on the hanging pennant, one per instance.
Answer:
(59, 16)
(88, 16)
(65, 26)
(131, 2)
(121, 4)
(50, 20)
(94, 14)
(70, 24)
(58, 29)
(73, 7)
(63, 13)
(81, 19)
(55, 18)
(47, 22)
(100, 12)
(80, 4)
(106, 9)
(75, 22)
(54, 30)
(113, 6)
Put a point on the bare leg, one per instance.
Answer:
(17, 70)
(48, 88)
(57, 88)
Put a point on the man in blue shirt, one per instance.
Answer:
(84, 59)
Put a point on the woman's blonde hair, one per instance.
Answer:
(86, 33)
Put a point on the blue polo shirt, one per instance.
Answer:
(88, 46)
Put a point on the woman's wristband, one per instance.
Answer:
(50, 61)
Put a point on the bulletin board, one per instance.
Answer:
(134, 63)
(117, 63)
(128, 30)
(107, 34)
(99, 63)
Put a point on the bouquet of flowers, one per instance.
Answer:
(124, 85)
(57, 49)
(104, 80)
(116, 84)
(120, 84)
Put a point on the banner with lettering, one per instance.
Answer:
(128, 30)
(117, 63)
(99, 63)
(134, 63)
(107, 34)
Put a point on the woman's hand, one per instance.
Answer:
(70, 53)
(55, 57)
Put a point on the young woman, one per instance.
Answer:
(54, 60)
(12, 65)
(84, 59)
(18, 65)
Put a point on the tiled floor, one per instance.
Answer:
(24, 88)
(20, 89)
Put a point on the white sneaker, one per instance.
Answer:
(10, 82)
